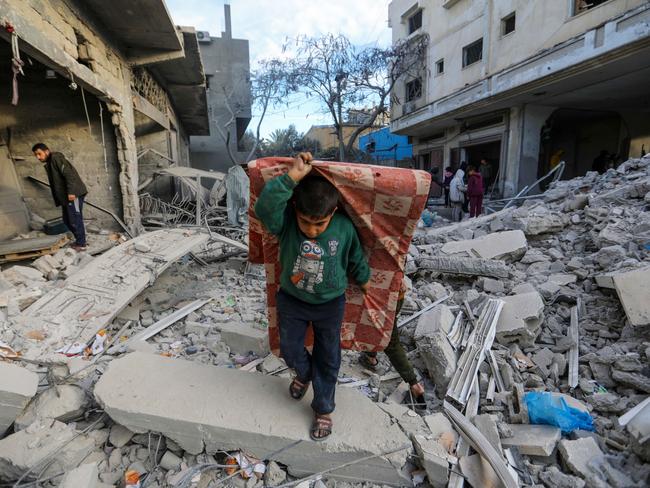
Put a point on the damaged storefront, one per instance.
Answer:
(116, 88)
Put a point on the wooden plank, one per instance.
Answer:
(25, 245)
(21, 256)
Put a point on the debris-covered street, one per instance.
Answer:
(474, 299)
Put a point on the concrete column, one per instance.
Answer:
(526, 123)
(123, 120)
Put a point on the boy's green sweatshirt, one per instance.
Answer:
(313, 270)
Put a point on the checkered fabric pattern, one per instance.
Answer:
(384, 204)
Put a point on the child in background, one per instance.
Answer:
(319, 248)
(475, 191)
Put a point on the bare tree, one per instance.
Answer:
(268, 90)
(343, 76)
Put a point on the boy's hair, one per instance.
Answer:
(471, 167)
(448, 168)
(315, 197)
(41, 146)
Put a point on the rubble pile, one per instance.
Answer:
(575, 322)
(542, 304)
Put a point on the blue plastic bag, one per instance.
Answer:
(428, 218)
(544, 408)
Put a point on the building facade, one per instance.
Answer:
(227, 69)
(519, 82)
(116, 87)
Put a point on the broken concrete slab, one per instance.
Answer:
(465, 266)
(27, 449)
(439, 357)
(510, 245)
(62, 402)
(442, 431)
(636, 380)
(120, 435)
(521, 319)
(91, 298)
(410, 422)
(639, 428)
(192, 409)
(633, 289)
(242, 338)
(554, 478)
(478, 472)
(533, 440)
(563, 279)
(17, 387)
(434, 460)
(439, 318)
(579, 454)
(487, 424)
(85, 476)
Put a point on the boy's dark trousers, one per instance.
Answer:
(447, 202)
(322, 366)
(73, 219)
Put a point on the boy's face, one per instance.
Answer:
(312, 227)
(42, 154)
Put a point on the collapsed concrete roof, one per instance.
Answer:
(184, 80)
(148, 36)
(143, 27)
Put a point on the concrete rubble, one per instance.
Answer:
(208, 384)
(363, 429)
(17, 388)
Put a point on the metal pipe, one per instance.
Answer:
(90, 204)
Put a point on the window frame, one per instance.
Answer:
(408, 90)
(575, 11)
(417, 12)
(504, 23)
(440, 63)
(466, 48)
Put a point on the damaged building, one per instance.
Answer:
(227, 70)
(118, 88)
(490, 89)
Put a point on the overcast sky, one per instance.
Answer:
(267, 24)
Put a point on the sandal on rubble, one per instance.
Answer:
(368, 361)
(323, 425)
(297, 389)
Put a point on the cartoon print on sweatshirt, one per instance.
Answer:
(308, 268)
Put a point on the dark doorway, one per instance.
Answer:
(491, 152)
(578, 137)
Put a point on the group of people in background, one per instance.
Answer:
(464, 190)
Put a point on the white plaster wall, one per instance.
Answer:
(540, 24)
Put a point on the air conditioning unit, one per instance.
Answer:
(203, 36)
(408, 107)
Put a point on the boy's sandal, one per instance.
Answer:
(297, 389)
(322, 425)
(367, 361)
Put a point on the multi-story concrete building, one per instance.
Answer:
(227, 69)
(115, 86)
(520, 82)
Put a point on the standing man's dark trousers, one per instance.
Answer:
(73, 219)
(321, 367)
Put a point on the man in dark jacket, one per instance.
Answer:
(68, 190)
